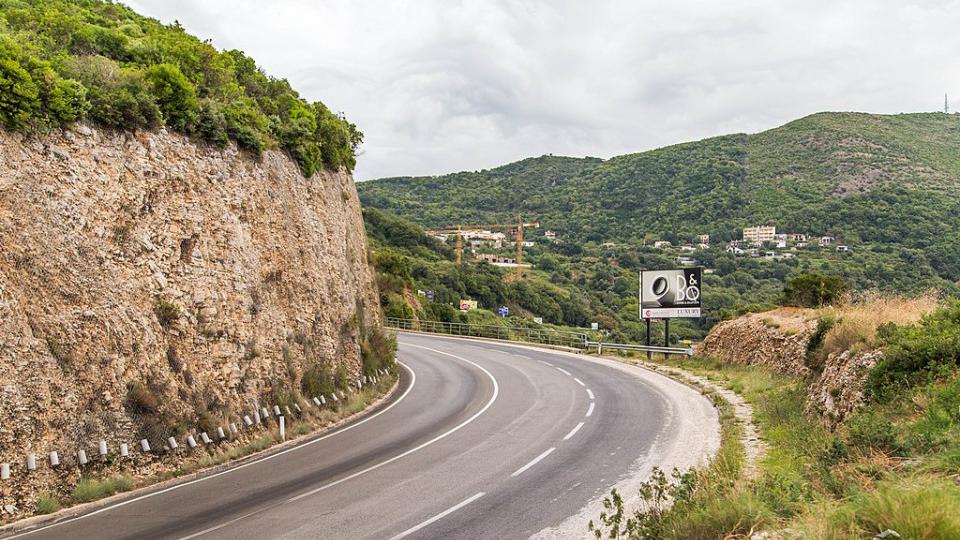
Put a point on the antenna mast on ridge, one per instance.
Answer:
(946, 104)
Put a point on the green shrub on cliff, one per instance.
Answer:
(63, 61)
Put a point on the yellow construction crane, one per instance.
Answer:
(463, 230)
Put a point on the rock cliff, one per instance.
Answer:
(150, 285)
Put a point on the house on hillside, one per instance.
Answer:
(825, 240)
(797, 237)
(843, 249)
(551, 236)
(704, 239)
(662, 244)
(760, 234)
(686, 261)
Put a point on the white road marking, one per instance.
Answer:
(565, 372)
(590, 410)
(590, 393)
(544, 362)
(496, 392)
(413, 380)
(437, 517)
(573, 431)
(579, 382)
(536, 460)
(222, 525)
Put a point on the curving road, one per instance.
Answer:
(481, 440)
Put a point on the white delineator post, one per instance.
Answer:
(283, 429)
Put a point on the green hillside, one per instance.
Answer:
(887, 185)
(93, 60)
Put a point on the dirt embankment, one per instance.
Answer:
(151, 286)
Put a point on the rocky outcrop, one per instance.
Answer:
(775, 339)
(839, 390)
(148, 284)
(779, 340)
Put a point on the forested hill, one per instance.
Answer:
(890, 182)
(92, 60)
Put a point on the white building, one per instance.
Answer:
(826, 240)
(842, 249)
(759, 235)
(662, 244)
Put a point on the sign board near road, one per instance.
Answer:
(668, 294)
(503, 311)
(467, 305)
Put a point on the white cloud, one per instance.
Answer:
(441, 85)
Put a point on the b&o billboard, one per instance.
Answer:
(668, 294)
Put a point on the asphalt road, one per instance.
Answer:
(482, 440)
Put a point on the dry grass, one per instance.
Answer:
(857, 320)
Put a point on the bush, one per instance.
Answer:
(167, 313)
(917, 352)
(317, 380)
(814, 290)
(19, 95)
(378, 350)
(176, 97)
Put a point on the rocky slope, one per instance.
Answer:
(150, 286)
(779, 340)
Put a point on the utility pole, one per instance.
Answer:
(946, 104)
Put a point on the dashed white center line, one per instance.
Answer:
(590, 410)
(590, 393)
(579, 381)
(565, 372)
(438, 517)
(544, 362)
(573, 431)
(536, 460)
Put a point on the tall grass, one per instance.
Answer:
(858, 320)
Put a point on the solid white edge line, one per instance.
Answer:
(590, 393)
(496, 392)
(438, 517)
(579, 382)
(565, 372)
(590, 410)
(536, 460)
(573, 431)
(413, 380)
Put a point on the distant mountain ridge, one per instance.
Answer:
(889, 184)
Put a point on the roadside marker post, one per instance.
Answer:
(124, 450)
(283, 429)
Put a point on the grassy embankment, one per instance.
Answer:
(892, 465)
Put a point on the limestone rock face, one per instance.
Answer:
(839, 390)
(210, 277)
(775, 339)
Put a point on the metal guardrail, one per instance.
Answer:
(642, 348)
(544, 336)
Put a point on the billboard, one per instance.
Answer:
(466, 305)
(668, 294)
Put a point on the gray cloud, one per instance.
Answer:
(441, 85)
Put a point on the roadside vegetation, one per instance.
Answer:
(62, 62)
(892, 465)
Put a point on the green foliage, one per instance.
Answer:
(317, 381)
(47, 503)
(167, 312)
(814, 291)
(63, 61)
(918, 353)
(176, 97)
(378, 350)
(813, 359)
(92, 489)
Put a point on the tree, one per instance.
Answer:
(814, 290)
(19, 95)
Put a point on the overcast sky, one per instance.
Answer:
(440, 86)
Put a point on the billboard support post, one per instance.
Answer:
(666, 332)
(649, 353)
